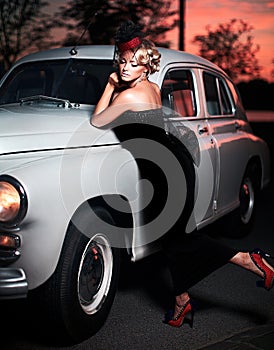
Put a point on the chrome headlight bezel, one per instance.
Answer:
(23, 202)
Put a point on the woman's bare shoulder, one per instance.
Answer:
(126, 96)
(155, 86)
(141, 93)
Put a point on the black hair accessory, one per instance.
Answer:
(128, 36)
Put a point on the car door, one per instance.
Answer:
(227, 136)
(181, 98)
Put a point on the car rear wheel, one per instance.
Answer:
(239, 223)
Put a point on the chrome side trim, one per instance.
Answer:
(59, 149)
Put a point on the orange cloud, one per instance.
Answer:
(270, 5)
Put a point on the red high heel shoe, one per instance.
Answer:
(177, 321)
(257, 256)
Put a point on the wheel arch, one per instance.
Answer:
(254, 168)
(117, 207)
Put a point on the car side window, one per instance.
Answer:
(178, 93)
(218, 100)
(225, 101)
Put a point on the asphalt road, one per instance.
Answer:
(227, 302)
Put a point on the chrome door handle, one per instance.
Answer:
(202, 129)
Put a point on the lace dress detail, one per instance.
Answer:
(153, 125)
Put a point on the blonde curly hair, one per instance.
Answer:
(146, 54)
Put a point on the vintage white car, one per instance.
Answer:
(62, 180)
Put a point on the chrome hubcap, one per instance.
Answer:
(246, 200)
(95, 274)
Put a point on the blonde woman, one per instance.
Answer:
(130, 97)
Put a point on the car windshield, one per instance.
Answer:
(76, 80)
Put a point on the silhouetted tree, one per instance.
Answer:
(102, 17)
(272, 71)
(231, 47)
(24, 28)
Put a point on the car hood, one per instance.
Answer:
(27, 128)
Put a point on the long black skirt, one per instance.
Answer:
(192, 256)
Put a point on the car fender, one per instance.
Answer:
(56, 185)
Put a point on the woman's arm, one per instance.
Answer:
(105, 99)
(110, 106)
(123, 102)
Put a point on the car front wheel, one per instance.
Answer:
(78, 297)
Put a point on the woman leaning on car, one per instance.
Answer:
(190, 256)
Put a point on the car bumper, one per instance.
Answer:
(13, 283)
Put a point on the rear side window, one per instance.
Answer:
(218, 97)
(178, 93)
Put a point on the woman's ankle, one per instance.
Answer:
(244, 260)
(182, 299)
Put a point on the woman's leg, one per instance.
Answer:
(245, 261)
(241, 259)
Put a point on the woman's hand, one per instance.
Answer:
(114, 80)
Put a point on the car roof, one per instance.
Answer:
(107, 52)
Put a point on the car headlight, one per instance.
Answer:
(13, 201)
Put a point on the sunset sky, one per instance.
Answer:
(199, 14)
(258, 13)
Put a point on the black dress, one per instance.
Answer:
(191, 256)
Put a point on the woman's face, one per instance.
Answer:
(128, 67)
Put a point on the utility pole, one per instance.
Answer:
(182, 4)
